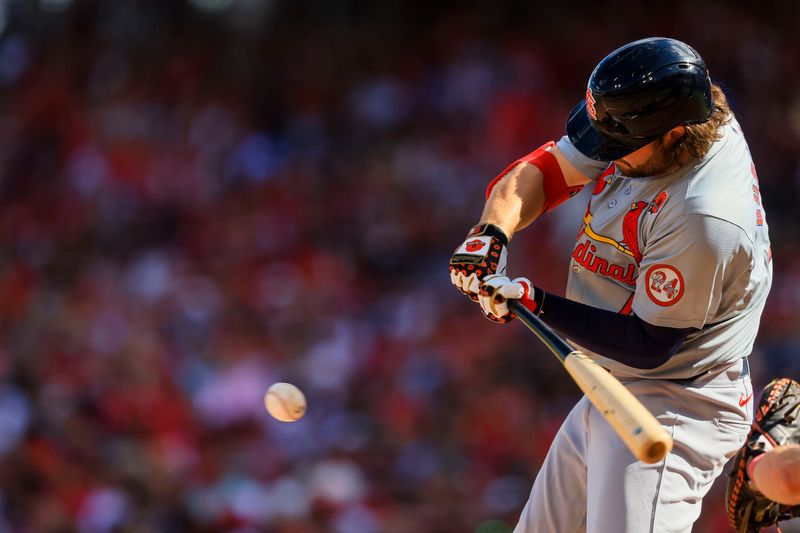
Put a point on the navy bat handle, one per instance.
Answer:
(550, 338)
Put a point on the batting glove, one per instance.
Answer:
(496, 290)
(483, 253)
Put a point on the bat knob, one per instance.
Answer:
(655, 452)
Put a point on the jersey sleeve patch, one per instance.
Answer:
(665, 285)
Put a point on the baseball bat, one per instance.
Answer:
(647, 440)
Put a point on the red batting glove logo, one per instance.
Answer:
(474, 246)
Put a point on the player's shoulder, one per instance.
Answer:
(721, 185)
(587, 167)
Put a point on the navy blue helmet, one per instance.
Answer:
(636, 94)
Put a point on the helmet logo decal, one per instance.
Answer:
(590, 101)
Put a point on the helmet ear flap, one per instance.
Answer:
(592, 143)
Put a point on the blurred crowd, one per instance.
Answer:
(200, 198)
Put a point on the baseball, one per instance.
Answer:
(285, 402)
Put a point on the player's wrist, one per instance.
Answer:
(489, 230)
(533, 299)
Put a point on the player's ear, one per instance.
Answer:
(669, 138)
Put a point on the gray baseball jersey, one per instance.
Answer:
(684, 249)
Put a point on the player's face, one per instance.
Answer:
(638, 164)
(654, 158)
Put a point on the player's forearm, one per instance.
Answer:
(538, 182)
(516, 200)
(624, 338)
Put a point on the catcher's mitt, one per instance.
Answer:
(777, 422)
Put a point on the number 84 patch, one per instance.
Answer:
(664, 284)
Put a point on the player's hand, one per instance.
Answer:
(777, 425)
(494, 294)
(482, 253)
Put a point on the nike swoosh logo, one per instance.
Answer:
(743, 401)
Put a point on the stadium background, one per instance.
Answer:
(198, 198)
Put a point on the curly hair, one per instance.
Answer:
(699, 137)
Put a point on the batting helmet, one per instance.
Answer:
(636, 94)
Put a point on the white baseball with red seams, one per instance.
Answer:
(285, 402)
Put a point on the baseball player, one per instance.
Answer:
(667, 280)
